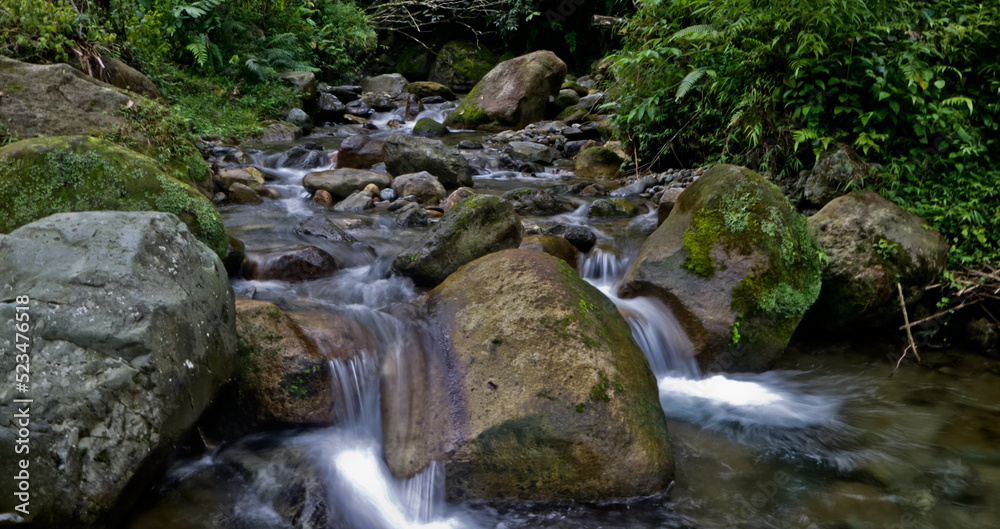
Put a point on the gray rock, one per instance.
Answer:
(589, 102)
(530, 152)
(411, 215)
(299, 118)
(324, 228)
(582, 237)
(294, 265)
(360, 152)
(408, 154)
(392, 83)
(422, 185)
(666, 203)
(604, 208)
(341, 183)
(132, 332)
(280, 133)
(528, 201)
(837, 167)
(387, 194)
(358, 201)
(635, 189)
(346, 93)
(982, 334)
(871, 244)
(566, 98)
(471, 229)
(330, 108)
(470, 145)
(242, 194)
(359, 108)
(304, 82)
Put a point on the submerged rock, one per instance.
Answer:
(737, 265)
(872, 244)
(42, 176)
(294, 265)
(539, 393)
(408, 154)
(471, 229)
(604, 208)
(428, 128)
(133, 333)
(512, 95)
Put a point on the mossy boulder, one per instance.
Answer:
(58, 100)
(597, 162)
(738, 266)
(608, 208)
(414, 63)
(512, 95)
(472, 228)
(460, 64)
(872, 244)
(281, 376)
(536, 390)
(428, 128)
(424, 89)
(42, 176)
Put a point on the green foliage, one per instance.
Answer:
(50, 31)
(911, 84)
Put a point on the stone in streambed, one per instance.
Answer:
(358, 201)
(133, 333)
(428, 128)
(281, 378)
(294, 265)
(553, 245)
(411, 215)
(737, 264)
(341, 183)
(427, 189)
(423, 89)
(597, 162)
(605, 208)
(241, 194)
(872, 244)
(359, 152)
(471, 229)
(529, 201)
(409, 154)
(543, 394)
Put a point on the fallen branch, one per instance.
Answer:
(939, 314)
(906, 320)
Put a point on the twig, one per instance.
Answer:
(906, 320)
(994, 318)
(900, 361)
(939, 314)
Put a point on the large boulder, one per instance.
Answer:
(460, 64)
(282, 378)
(408, 154)
(737, 265)
(513, 95)
(392, 83)
(131, 333)
(42, 176)
(836, 168)
(58, 100)
(126, 77)
(537, 390)
(472, 228)
(872, 244)
(303, 82)
(341, 183)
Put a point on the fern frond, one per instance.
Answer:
(958, 101)
(695, 32)
(689, 81)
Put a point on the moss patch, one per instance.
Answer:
(43, 176)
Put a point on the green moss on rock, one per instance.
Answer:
(42, 176)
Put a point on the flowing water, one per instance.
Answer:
(824, 440)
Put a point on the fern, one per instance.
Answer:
(689, 81)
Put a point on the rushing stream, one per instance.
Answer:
(825, 440)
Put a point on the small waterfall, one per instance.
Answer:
(654, 327)
(356, 393)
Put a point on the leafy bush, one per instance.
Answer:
(50, 30)
(911, 84)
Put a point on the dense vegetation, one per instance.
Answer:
(215, 60)
(912, 84)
